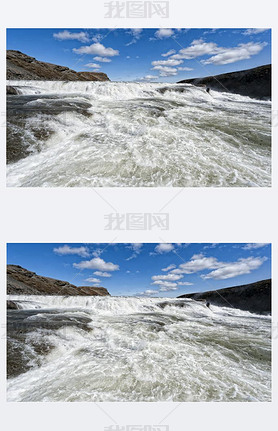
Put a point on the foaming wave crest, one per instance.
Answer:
(135, 134)
(135, 349)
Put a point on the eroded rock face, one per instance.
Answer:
(254, 297)
(22, 66)
(12, 91)
(20, 281)
(255, 83)
(11, 305)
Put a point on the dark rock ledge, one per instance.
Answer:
(255, 83)
(254, 297)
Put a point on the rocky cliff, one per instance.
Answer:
(254, 297)
(20, 281)
(255, 83)
(22, 66)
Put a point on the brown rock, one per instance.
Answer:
(11, 90)
(22, 66)
(20, 281)
(11, 305)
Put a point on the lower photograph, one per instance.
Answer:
(139, 322)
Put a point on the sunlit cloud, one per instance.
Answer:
(66, 249)
(97, 263)
(67, 35)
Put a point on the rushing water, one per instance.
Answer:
(136, 349)
(78, 134)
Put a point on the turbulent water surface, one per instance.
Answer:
(136, 349)
(132, 134)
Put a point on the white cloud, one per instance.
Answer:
(182, 30)
(254, 246)
(148, 292)
(198, 262)
(96, 263)
(128, 56)
(93, 65)
(234, 269)
(169, 62)
(219, 55)
(136, 248)
(240, 52)
(164, 248)
(165, 67)
(92, 280)
(97, 37)
(218, 270)
(148, 78)
(165, 284)
(102, 59)
(135, 33)
(187, 69)
(185, 283)
(96, 49)
(197, 48)
(165, 70)
(251, 31)
(97, 252)
(170, 277)
(177, 271)
(67, 35)
(213, 245)
(171, 52)
(167, 288)
(211, 31)
(168, 282)
(164, 33)
(172, 266)
(66, 249)
(102, 274)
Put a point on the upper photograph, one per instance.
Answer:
(155, 107)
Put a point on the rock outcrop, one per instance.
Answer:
(255, 83)
(22, 66)
(254, 297)
(11, 305)
(20, 281)
(12, 91)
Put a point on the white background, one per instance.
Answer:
(196, 215)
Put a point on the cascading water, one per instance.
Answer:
(135, 349)
(135, 134)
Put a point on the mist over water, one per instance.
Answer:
(79, 134)
(136, 349)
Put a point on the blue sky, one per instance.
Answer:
(155, 55)
(162, 270)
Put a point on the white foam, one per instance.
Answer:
(138, 351)
(137, 136)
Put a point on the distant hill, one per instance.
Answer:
(255, 83)
(254, 297)
(22, 66)
(20, 281)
